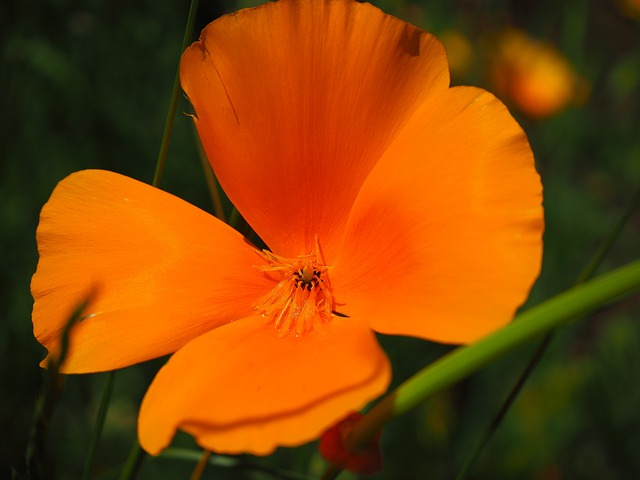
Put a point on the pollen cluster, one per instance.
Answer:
(301, 301)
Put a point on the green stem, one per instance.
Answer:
(212, 182)
(137, 455)
(51, 391)
(133, 463)
(173, 103)
(497, 420)
(234, 218)
(468, 359)
(97, 430)
(590, 269)
(585, 275)
(331, 473)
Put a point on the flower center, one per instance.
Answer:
(301, 301)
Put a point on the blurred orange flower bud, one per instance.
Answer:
(534, 76)
(630, 8)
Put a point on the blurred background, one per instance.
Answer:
(86, 84)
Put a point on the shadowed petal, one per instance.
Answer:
(444, 240)
(241, 388)
(297, 100)
(166, 271)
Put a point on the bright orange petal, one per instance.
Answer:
(295, 103)
(166, 271)
(242, 388)
(444, 241)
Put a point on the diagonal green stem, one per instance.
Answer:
(173, 103)
(513, 394)
(234, 218)
(464, 361)
(97, 429)
(212, 182)
(137, 455)
(595, 262)
(585, 275)
(51, 391)
(331, 473)
(133, 463)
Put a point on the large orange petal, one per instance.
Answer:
(165, 271)
(444, 240)
(242, 388)
(295, 103)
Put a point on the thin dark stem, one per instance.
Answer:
(585, 275)
(606, 246)
(49, 396)
(133, 463)
(173, 103)
(234, 218)
(137, 455)
(212, 182)
(100, 419)
(504, 409)
(331, 473)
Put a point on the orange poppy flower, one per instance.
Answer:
(389, 202)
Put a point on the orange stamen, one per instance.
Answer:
(301, 301)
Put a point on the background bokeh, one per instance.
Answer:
(86, 84)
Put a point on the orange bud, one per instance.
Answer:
(534, 76)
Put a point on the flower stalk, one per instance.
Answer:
(578, 301)
(99, 425)
(585, 275)
(51, 391)
(173, 103)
